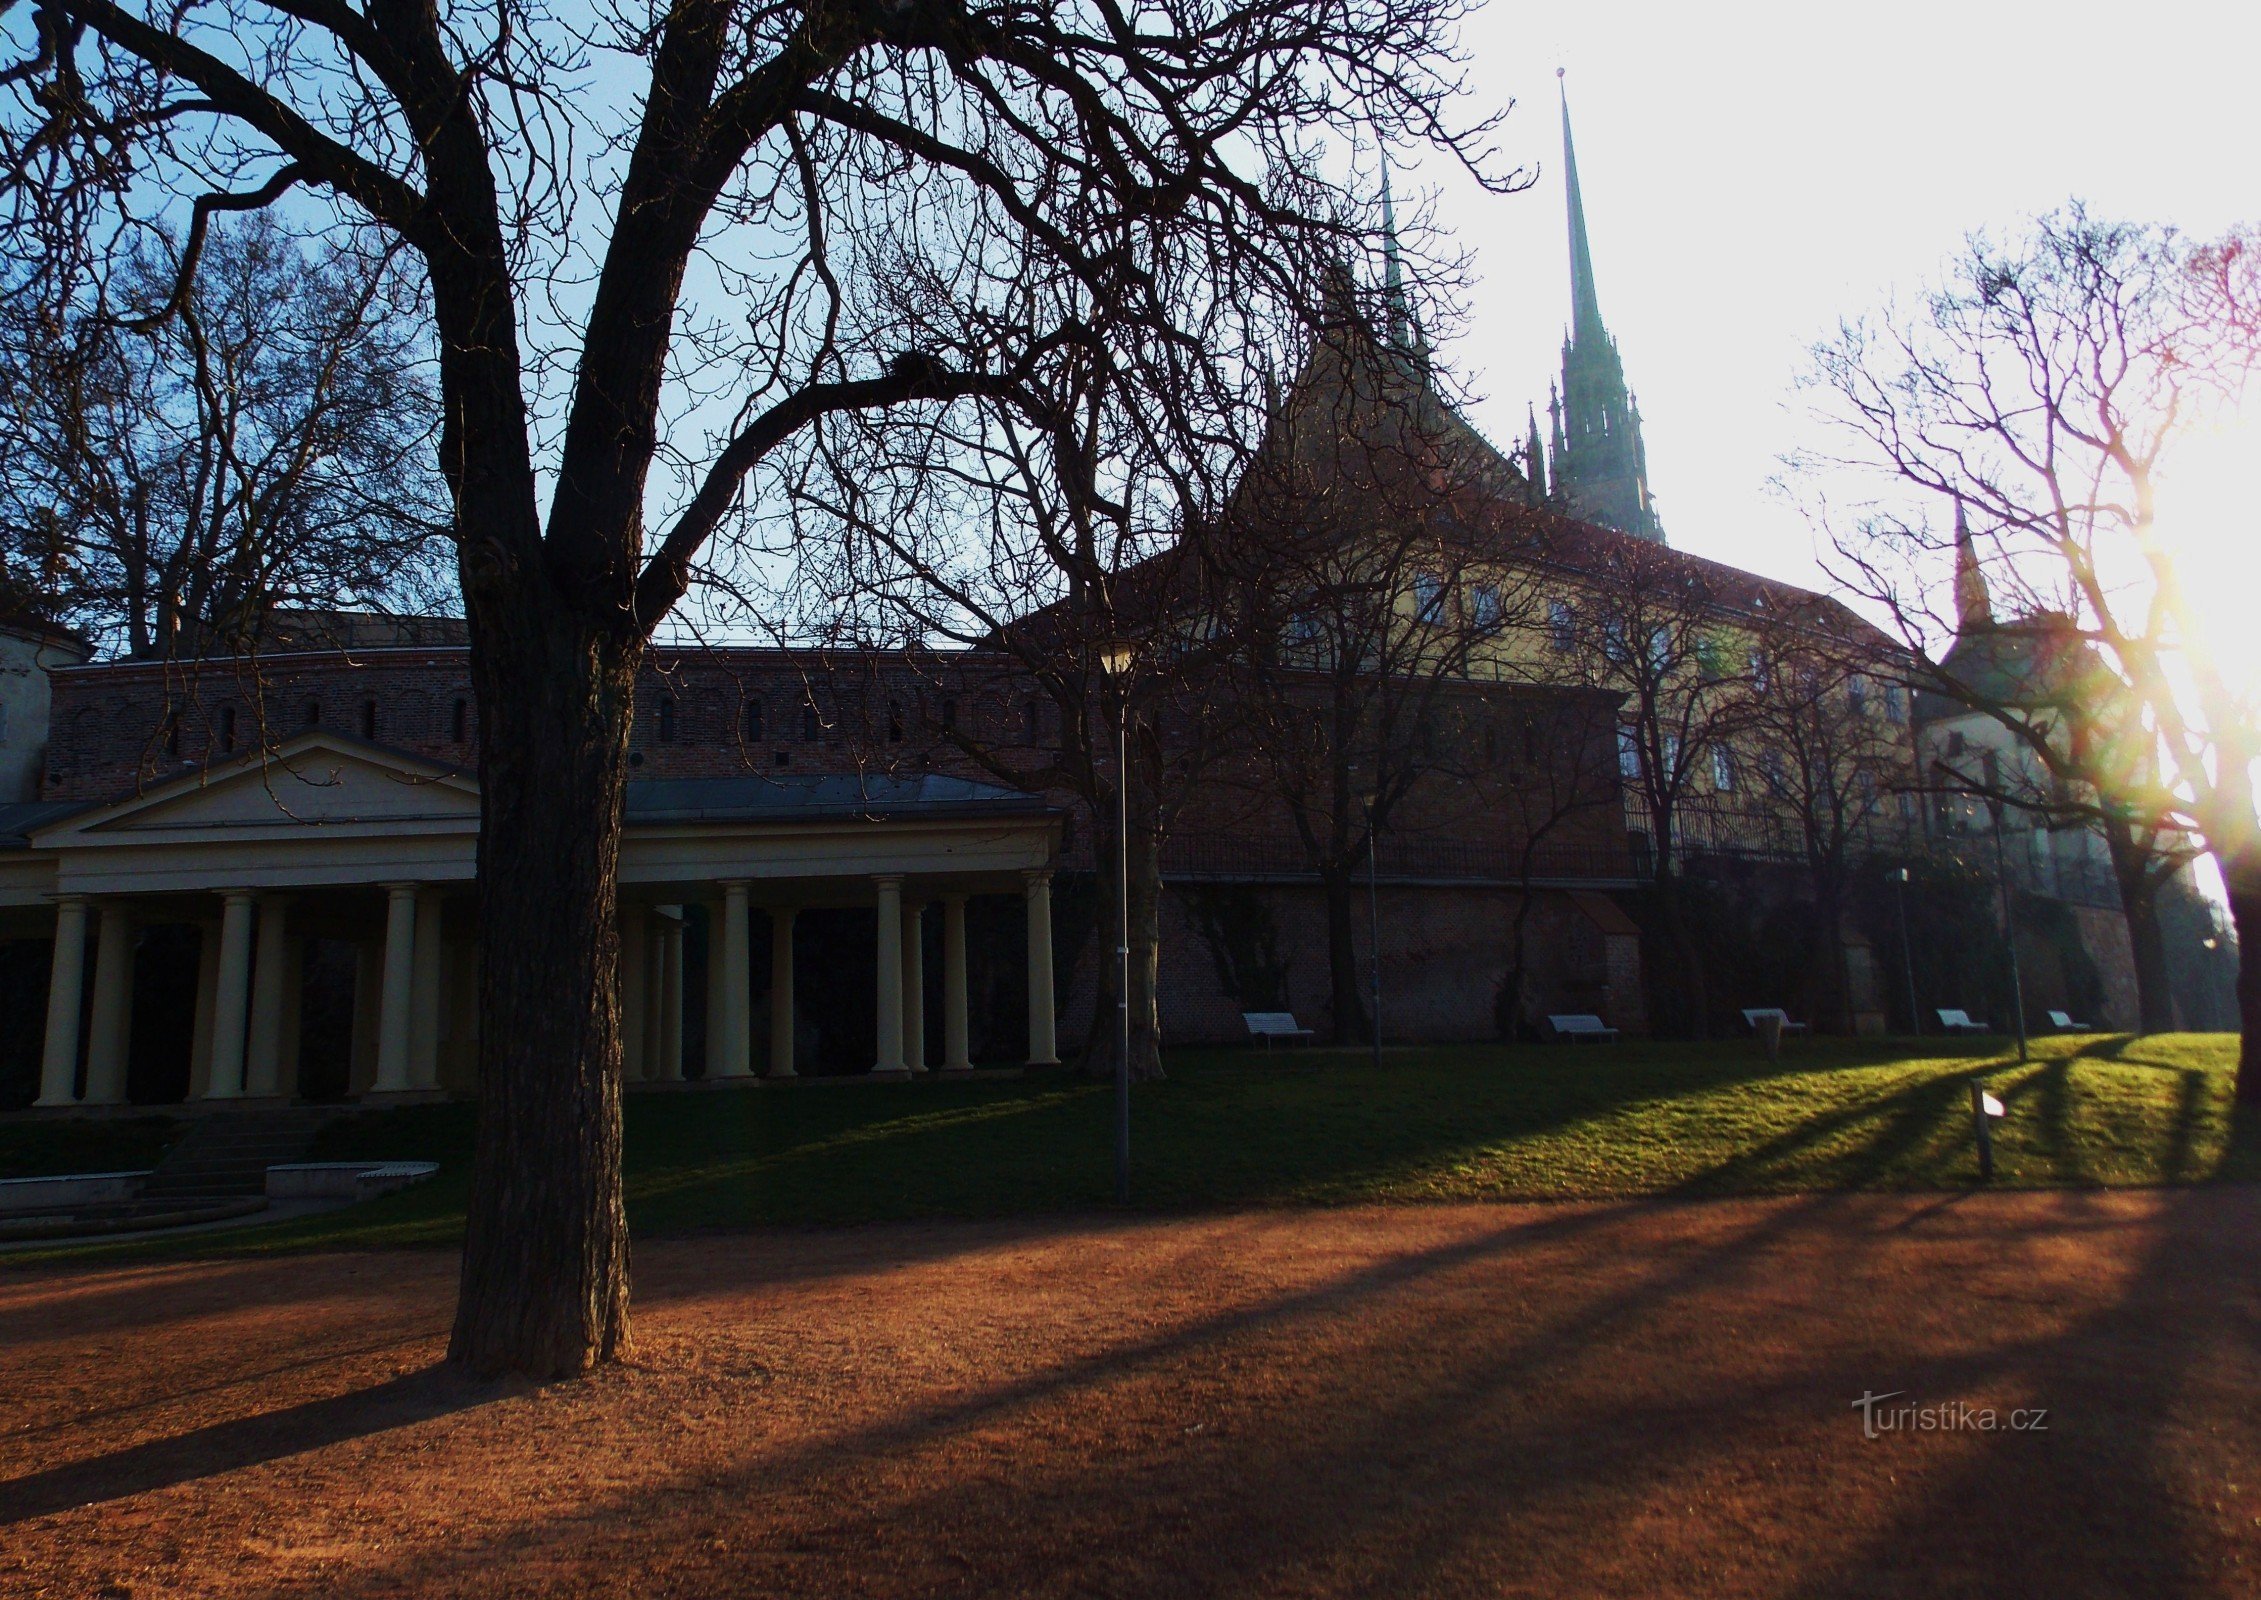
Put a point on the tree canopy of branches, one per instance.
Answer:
(172, 478)
(2043, 389)
(650, 245)
(1658, 629)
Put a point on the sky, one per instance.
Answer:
(1753, 172)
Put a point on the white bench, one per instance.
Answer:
(1580, 1025)
(2064, 1023)
(1752, 1014)
(1270, 1025)
(1959, 1022)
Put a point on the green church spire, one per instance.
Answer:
(1600, 463)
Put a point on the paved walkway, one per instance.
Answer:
(1575, 1400)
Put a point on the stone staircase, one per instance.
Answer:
(227, 1153)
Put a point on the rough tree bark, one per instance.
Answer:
(2134, 870)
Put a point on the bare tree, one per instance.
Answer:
(2044, 387)
(174, 478)
(1359, 582)
(777, 158)
(1829, 716)
(1663, 631)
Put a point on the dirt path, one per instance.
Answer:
(1579, 1401)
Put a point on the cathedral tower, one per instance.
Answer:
(1601, 469)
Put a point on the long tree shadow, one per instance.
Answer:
(242, 1442)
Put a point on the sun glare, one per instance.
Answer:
(2210, 516)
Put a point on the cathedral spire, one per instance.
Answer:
(1974, 607)
(1585, 303)
(1601, 469)
(1393, 266)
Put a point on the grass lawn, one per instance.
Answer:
(1474, 1122)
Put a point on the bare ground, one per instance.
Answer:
(1481, 1400)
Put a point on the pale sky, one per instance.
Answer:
(1754, 171)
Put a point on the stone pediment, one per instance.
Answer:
(319, 780)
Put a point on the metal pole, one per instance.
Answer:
(2009, 927)
(1907, 957)
(1122, 951)
(1374, 921)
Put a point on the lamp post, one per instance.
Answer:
(1907, 957)
(2009, 924)
(1374, 924)
(1117, 660)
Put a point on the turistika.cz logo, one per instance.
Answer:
(1880, 1417)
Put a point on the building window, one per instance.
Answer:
(313, 717)
(1856, 694)
(950, 714)
(894, 723)
(1628, 754)
(667, 719)
(1428, 596)
(1484, 605)
(227, 730)
(1722, 768)
(1562, 625)
(459, 724)
(812, 725)
(1758, 670)
(750, 718)
(1895, 703)
(1032, 721)
(368, 719)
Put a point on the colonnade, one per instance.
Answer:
(898, 983)
(251, 966)
(245, 1044)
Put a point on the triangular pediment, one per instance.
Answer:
(316, 779)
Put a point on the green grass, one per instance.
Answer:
(1230, 1129)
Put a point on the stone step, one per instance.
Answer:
(229, 1152)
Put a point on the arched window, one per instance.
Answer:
(812, 725)
(459, 720)
(313, 714)
(369, 719)
(894, 723)
(1032, 721)
(667, 719)
(950, 714)
(227, 730)
(751, 719)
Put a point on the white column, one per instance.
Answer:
(635, 971)
(737, 986)
(110, 1034)
(1043, 1044)
(207, 996)
(424, 993)
(368, 998)
(270, 972)
(715, 1004)
(914, 985)
(954, 1053)
(231, 994)
(59, 1051)
(670, 1068)
(781, 920)
(399, 989)
(890, 1007)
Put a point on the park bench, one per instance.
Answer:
(2063, 1023)
(1752, 1014)
(1270, 1025)
(1577, 1026)
(1959, 1022)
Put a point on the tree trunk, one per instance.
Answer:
(545, 1255)
(1346, 980)
(1690, 995)
(2243, 879)
(2139, 907)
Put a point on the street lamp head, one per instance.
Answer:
(1900, 875)
(1115, 658)
(2211, 943)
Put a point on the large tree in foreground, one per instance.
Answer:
(564, 187)
(2044, 389)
